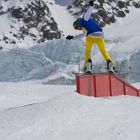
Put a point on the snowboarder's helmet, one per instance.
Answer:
(76, 22)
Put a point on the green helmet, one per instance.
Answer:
(76, 22)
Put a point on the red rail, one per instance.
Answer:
(104, 84)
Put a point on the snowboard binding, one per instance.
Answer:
(89, 66)
(111, 68)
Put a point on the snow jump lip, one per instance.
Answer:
(104, 84)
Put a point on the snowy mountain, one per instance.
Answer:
(107, 11)
(26, 23)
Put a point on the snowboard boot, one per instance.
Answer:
(89, 66)
(111, 68)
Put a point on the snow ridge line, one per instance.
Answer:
(38, 103)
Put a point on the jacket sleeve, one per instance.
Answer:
(87, 15)
(80, 35)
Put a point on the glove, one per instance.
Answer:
(91, 3)
(69, 37)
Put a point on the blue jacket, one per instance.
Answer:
(91, 26)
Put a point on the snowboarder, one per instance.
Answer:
(94, 35)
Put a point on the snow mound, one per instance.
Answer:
(39, 62)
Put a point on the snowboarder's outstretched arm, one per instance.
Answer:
(69, 37)
(87, 15)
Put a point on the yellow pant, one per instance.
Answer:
(90, 41)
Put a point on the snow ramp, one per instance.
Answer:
(104, 84)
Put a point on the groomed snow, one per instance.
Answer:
(32, 111)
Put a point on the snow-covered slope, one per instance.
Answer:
(32, 111)
(61, 15)
(123, 43)
(25, 23)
